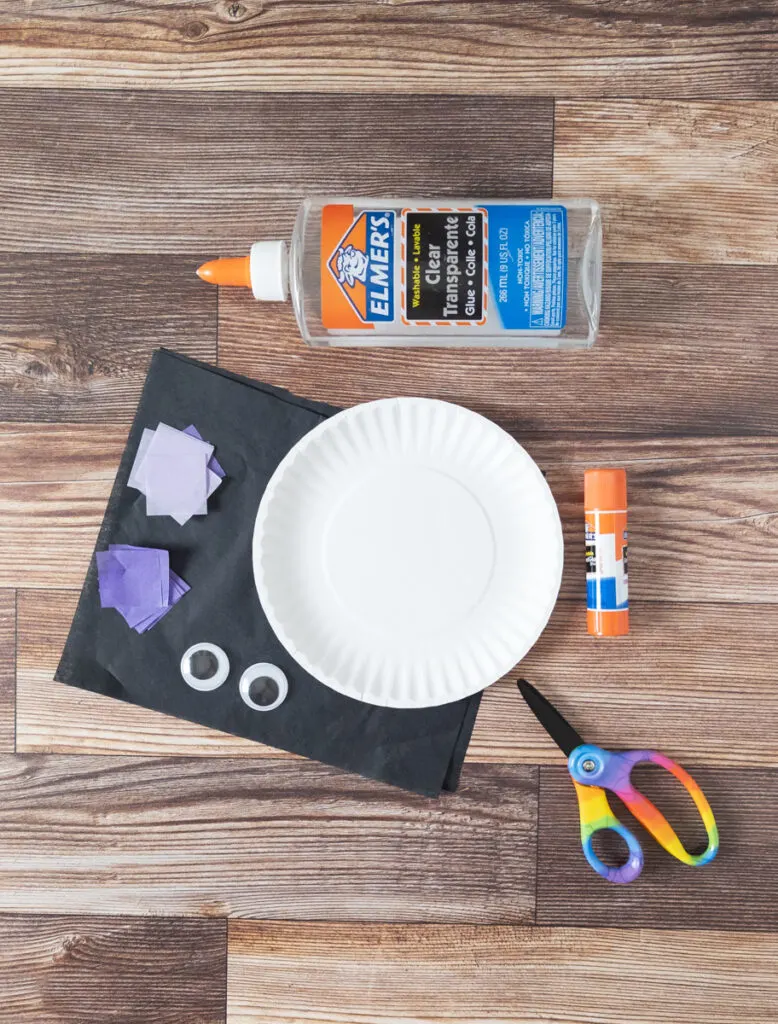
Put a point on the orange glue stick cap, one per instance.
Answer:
(605, 490)
(265, 271)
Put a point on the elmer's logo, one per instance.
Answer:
(363, 265)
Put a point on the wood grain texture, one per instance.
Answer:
(7, 669)
(430, 975)
(682, 350)
(264, 839)
(712, 505)
(703, 518)
(59, 970)
(173, 173)
(54, 718)
(54, 453)
(54, 484)
(48, 531)
(697, 681)
(76, 332)
(684, 182)
(536, 47)
(735, 891)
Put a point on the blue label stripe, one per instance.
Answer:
(528, 266)
(607, 596)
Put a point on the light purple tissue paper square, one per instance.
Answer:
(170, 473)
(136, 478)
(175, 473)
(168, 439)
(176, 485)
(213, 463)
(213, 483)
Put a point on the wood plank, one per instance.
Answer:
(193, 172)
(58, 969)
(53, 717)
(536, 47)
(687, 480)
(714, 509)
(48, 531)
(41, 453)
(683, 350)
(697, 681)
(710, 661)
(54, 484)
(701, 521)
(684, 182)
(273, 839)
(431, 974)
(7, 669)
(76, 332)
(735, 891)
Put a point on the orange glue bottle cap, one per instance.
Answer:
(605, 490)
(265, 271)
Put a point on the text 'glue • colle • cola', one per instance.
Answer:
(605, 511)
(433, 272)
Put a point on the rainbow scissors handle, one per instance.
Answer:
(594, 770)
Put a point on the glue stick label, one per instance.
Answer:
(607, 580)
(502, 264)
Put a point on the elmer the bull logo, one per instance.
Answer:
(363, 265)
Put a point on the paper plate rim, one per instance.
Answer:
(275, 621)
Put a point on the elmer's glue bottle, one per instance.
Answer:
(450, 272)
(605, 505)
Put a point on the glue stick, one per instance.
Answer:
(433, 272)
(605, 510)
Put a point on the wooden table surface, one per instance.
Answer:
(154, 872)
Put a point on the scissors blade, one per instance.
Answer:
(558, 728)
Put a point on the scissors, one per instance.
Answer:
(594, 770)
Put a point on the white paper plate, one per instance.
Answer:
(407, 552)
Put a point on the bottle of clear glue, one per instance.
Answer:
(433, 272)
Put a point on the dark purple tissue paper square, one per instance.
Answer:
(130, 578)
(177, 590)
(139, 583)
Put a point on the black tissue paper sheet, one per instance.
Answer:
(252, 426)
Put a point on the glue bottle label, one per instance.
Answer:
(444, 270)
(499, 263)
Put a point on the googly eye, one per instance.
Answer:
(204, 667)
(263, 686)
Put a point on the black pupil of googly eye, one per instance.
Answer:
(203, 664)
(263, 690)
